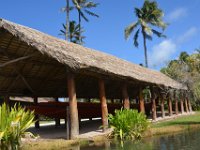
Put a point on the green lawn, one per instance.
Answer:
(179, 124)
(184, 120)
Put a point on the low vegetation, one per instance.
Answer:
(128, 124)
(13, 125)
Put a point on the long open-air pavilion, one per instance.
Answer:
(35, 64)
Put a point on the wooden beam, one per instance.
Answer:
(12, 84)
(23, 79)
(141, 101)
(16, 60)
(37, 123)
(74, 127)
(104, 107)
(125, 97)
(25, 82)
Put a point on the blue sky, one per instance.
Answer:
(107, 32)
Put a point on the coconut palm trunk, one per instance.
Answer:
(145, 48)
(67, 21)
(79, 23)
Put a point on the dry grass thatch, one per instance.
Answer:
(78, 58)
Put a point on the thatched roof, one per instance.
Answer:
(20, 40)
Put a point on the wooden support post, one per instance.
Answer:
(154, 113)
(189, 104)
(37, 123)
(153, 101)
(162, 106)
(112, 101)
(141, 101)
(67, 123)
(104, 107)
(73, 110)
(125, 97)
(176, 103)
(182, 107)
(170, 106)
(57, 120)
(186, 105)
(181, 101)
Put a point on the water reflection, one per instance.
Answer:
(184, 141)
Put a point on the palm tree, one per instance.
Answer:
(74, 32)
(83, 7)
(67, 9)
(147, 17)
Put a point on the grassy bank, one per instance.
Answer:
(178, 124)
(182, 123)
(62, 144)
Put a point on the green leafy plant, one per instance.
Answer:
(128, 124)
(13, 125)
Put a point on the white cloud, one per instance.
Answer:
(187, 35)
(162, 53)
(177, 14)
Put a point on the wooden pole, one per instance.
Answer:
(37, 123)
(154, 114)
(57, 120)
(141, 101)
(170, 106)
(73, 110)
(186, 105)
(176, 103)
(125, 97)
(153, 99)
(189, 104)
(67, 123)
(162, 106)
(104, 107)
(182, 107)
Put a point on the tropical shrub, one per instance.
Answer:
(13, 124)
(128, 124)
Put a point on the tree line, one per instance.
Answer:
(186, 70)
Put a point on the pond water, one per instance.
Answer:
(182, 141)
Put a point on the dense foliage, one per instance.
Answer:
(128, 124)
(13, 124)
(186, 69)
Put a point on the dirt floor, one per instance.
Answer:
(49, 131)
(88, 128)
